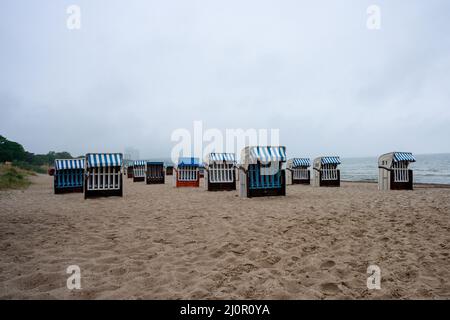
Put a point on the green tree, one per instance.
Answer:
(14, 152)
(10, 150)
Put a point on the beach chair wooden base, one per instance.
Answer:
(408, 185)
(138, 179)
(194, 184)
(266, 192)
(68, 190)
(103, 193)
(301, 181)
(221, 186)
(150, 180)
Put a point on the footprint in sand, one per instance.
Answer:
(330, 287)
(328, 264)
(118, 271)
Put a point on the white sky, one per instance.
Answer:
(138, 70)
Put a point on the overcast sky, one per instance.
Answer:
(138, 70)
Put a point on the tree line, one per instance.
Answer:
(14, 152)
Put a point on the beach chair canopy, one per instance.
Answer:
(319, 162)
(188, 162)
(404, 156)
(251, 155)
(68, 164)
(221, 158)
(298, 162)
(388, 159)
(139, 163)
(104, 160)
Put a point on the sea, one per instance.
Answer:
(429, 168)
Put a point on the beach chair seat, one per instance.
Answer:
(68, 175)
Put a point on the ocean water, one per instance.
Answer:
(429, 168)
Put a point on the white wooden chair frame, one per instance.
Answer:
(329, 172)
(401, 171)
(221, 172)
(300, 173)
(187, 173)
(104, 178)
(139, 171)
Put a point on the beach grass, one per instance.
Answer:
(14, 178)
(30, 167)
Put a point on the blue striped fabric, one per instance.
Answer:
(301, 162)
(65, 164)
(95, 160)
(268, 153)
(188, 161)
(330, 160)
(404, 156)
(227, 157)
(139, 163)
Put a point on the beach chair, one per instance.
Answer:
(186, 172)
(261, 172)
(326, 173)
(155, 173)
(297, 171)
(169, 170)
(220, 172)
(139, 170)
(103, 175)
(201, 170)
(68, 175)
(129, 172)
(394, 172)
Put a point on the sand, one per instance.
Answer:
(158, 242)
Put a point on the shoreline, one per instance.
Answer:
(416, 184)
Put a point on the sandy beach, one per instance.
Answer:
(159, 242)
